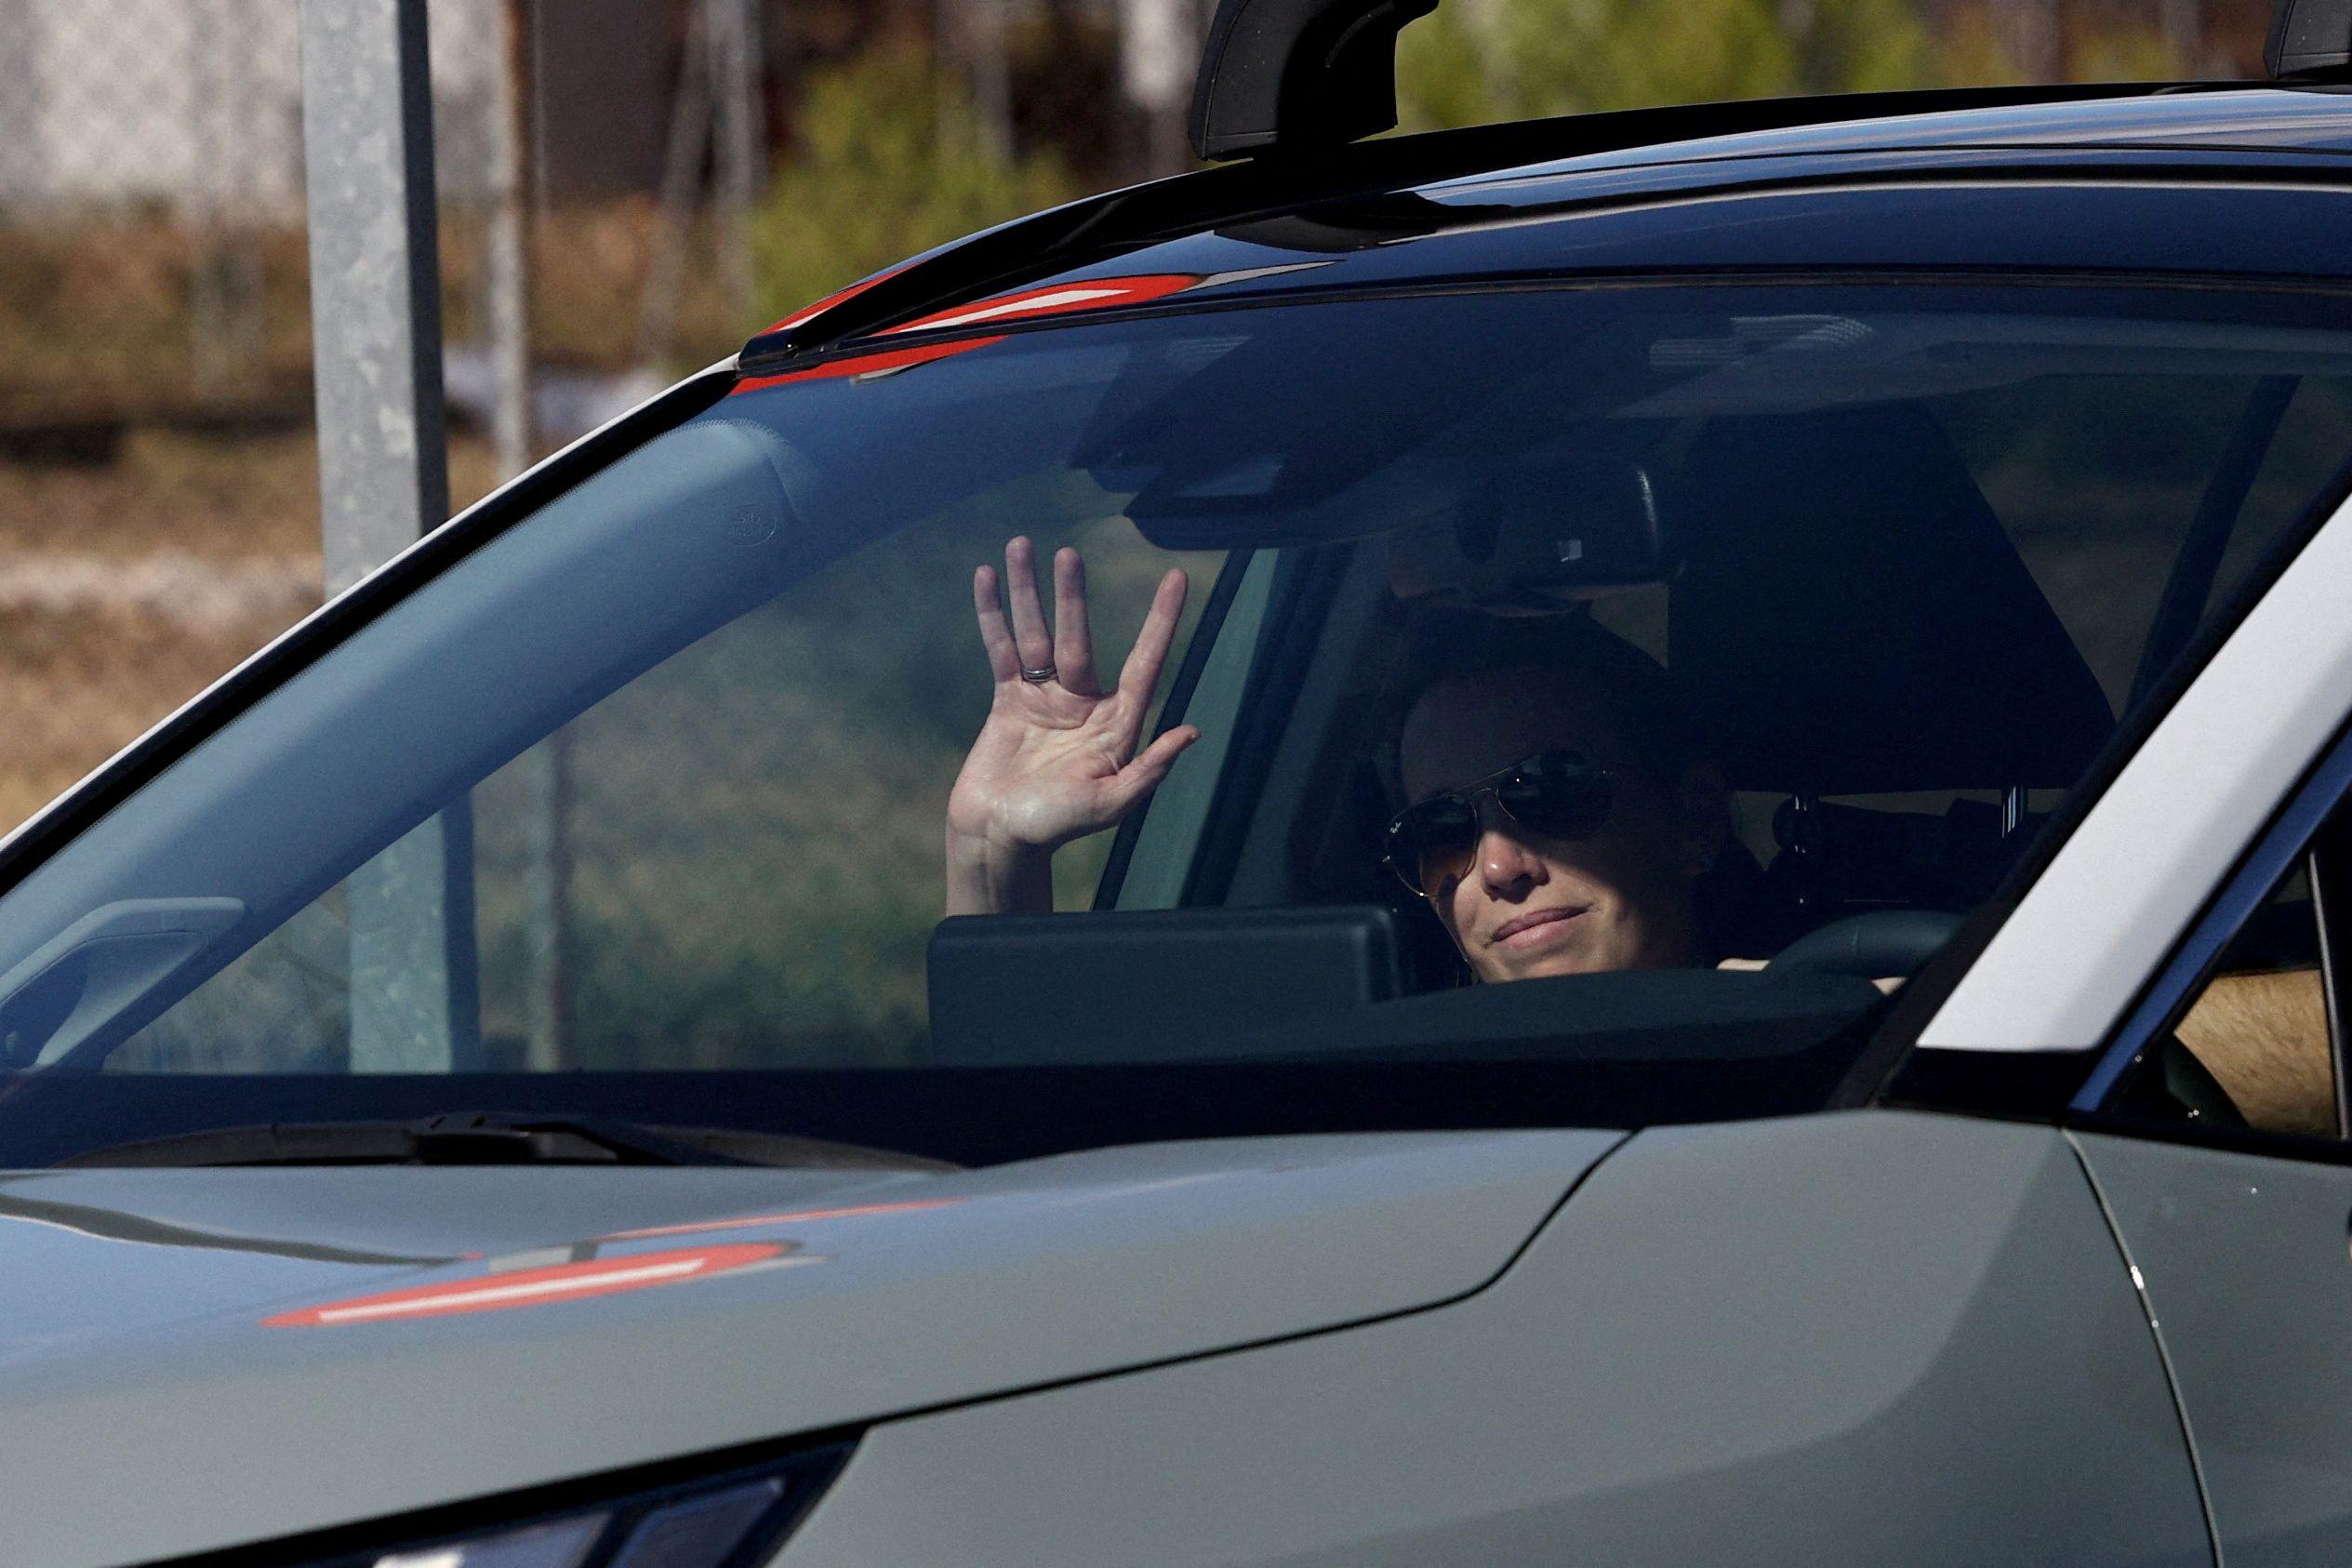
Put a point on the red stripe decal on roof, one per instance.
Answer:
(811, 313)
(1057, 298)
(878, 364)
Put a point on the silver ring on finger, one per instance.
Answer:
(1038, 676)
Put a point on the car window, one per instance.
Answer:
(2253, 1043)
(2259, 1024)
(1841, 587)
(733, 860)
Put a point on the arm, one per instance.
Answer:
(1056, 759)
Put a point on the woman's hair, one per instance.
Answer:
(1640, 699)
(1538, 651)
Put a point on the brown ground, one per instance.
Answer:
(127, 589)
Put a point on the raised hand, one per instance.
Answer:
(1056, 759)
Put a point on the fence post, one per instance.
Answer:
(546, 767)
(384, 478)
(739, 136)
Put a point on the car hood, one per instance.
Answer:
(196, 1359)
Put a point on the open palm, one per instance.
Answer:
(1056, 759)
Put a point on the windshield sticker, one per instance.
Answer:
(497, 1291)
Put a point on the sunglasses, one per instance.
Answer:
(1558, 794)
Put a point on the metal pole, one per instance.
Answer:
(375, 284)
(383, 478)
(732, 33)
(209, 357)
(689, 134)
(546, 766)
(507, 265)
(548, 1045)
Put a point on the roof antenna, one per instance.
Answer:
(2309, 41)
(1282, 75)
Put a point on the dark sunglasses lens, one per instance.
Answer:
(1433, 842)
(1559, 797)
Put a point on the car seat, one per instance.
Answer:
(1850, 619)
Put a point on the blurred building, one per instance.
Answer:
(189, 102)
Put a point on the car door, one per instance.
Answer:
(2188, 935)
(2238, 1232)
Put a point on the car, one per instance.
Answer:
(489, 1082)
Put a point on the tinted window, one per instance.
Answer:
(653, 781)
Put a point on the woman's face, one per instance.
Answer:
(1527, 905)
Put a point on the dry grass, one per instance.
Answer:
(76, 686)
(127, 588)
(97, 314)
(96, 317)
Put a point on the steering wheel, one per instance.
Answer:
(1876, 946)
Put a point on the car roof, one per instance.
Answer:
(2264, 116)
(2205, 181)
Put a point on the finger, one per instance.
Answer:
(995, 636)
(1141, 673)
(1030, 637)
(1143, 774)
(1074, 638)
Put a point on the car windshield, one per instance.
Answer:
(1723, 612)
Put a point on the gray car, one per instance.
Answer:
(488, 1083)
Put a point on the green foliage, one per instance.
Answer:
(1442, 79)
(1518, 59)
(888, 158)
(2130, 54)
(1867, 46)
(1484, 60)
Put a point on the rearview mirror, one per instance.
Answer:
(1537, 539)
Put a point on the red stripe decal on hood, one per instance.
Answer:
(532, 1287)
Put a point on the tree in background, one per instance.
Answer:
(1523, 59)
(889, 157)
(1482, 61)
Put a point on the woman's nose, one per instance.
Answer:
(1503, 861)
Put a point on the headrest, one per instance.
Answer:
(1850, 617)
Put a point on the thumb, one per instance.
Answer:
(1151, 765)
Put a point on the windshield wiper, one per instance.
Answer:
(479, 1138)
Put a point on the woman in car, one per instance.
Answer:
(1560, 823)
